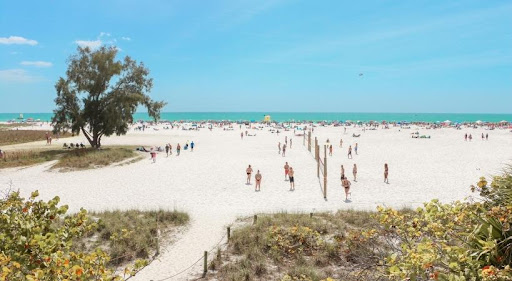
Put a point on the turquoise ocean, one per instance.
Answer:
(297, 116)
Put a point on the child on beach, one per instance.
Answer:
(257, 177)
(249, 172)
(286, 170)
(291, 174)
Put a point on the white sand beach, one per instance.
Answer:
(209, 183)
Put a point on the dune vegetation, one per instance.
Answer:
(458, 241)
(40, 241)
(70, 159)
(8, 137)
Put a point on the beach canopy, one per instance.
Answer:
(479, 122)
(447, 121)
(503, 121)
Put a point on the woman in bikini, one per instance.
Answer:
(346, 185)
(258, 177)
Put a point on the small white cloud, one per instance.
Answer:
(126, 38)
(37, 63)
(17, 40)
(91, 44)
(17, 75)
(104, 34)
(15, 53)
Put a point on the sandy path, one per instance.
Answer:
(209, 183)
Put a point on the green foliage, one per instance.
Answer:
(456, 241)
(36, 240)
(99, 95)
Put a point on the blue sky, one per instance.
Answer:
(273, 55)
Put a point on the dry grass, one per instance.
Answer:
(300, 247)
(88, 158)
(129, 235)
(8, 137)
(69, 160)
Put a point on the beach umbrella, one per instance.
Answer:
(503, 121)
(447, 121)
(479, 122)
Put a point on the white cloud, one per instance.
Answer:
(91, 44)
(17, 40)
(37, 63)
(126, 38)
(15, 53)
(17, 75)
(104, 34)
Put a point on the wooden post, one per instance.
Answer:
(229, 233)
(205, 269)
(157, 236)
(325, 171)
(309, 141)
(317, 150)
(316, 145)
(255, 219)
(310, 215)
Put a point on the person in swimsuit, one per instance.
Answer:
(241, 135)
(386, 171)
(355, 148)
(486, 136)
(258, 177)
(286, 170)
(279, 148)
(192, 144)
(284, 150)
(290, 143)
(346, 185)
(167, 149)
(349, 152)
(170, 149)
(249, 172)
(341, 142)
(330, 150)
(291, 173)
(354, 172)
(178, 149)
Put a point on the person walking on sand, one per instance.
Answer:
(286, 140)
(284, 150)
(486, 136)
(291, 174)
(386, 172)
(290, 143)
(346, 185)
(279, 148)
(344, 130)
(483, 136)
(178, 150)
(249, 173)
(341, 142)
(349, 152)
(466, 136)
(354, 172)
(192, 144)
(242, 135)
(257, 177)
(170, 149)
(167, 149)
(153, 156)
(330, 150)
(470, 137)
(286, 170)
(355, 148)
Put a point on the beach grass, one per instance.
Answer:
(299, 247)
(9, 137)
(131, 234)
(70, 159)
